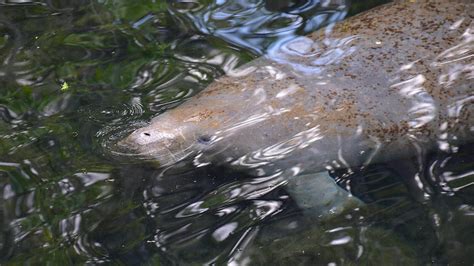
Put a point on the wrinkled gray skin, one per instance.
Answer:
(382, 85)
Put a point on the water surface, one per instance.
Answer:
(75, 76)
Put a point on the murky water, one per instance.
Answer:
(76, 76)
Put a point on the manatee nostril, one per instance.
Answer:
(146, 134)
(204, 139)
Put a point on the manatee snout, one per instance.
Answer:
(131, 144)
(143, 139)
(163, 141)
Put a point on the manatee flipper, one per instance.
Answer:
(319, 196)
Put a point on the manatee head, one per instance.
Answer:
(231, 118)
(167, 139)
(193, 128)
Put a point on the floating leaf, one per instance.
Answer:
(64, 86)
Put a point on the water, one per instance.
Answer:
(66, 200)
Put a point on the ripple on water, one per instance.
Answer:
(255, 25)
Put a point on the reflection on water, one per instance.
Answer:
(64, 199)
(257, 25)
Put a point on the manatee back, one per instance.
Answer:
(397, 74)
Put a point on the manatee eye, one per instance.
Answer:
(146, 134)
(204, 139)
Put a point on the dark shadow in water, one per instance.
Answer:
(198, 215)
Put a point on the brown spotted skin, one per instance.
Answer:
(364, 90)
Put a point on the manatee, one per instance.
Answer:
(390, 83)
